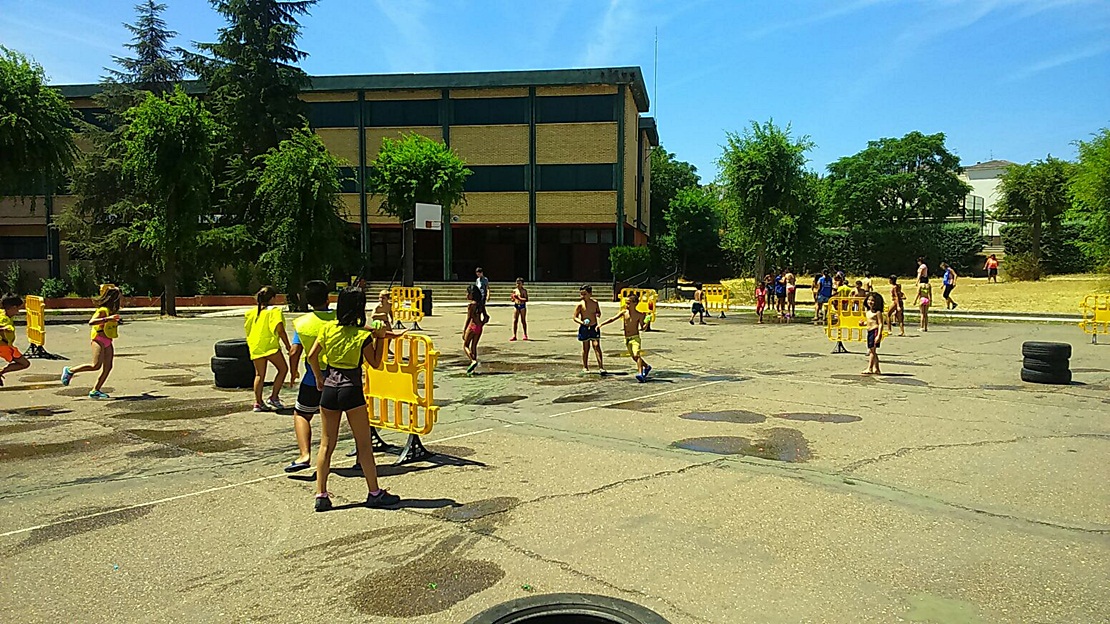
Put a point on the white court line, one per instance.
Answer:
(283, 474)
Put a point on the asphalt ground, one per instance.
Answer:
(756, 477)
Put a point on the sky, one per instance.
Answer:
(1003, 79)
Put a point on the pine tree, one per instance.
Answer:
(155, 66)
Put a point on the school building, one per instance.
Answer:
(560, 162)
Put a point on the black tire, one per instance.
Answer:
(232, 373)
(235, 348)
(553, 608)
(1045, 366)
(1035, 376)
(1046, 350)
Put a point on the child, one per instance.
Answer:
(842, 288)
(265, 328)
(780, 295)
(859, 291)
(586, 315)
(698, 307)
(897, 306)
(634, 319)
(923, 299)
(791, 293)
(760, 300)
(9, 307)
(105, 323)
(344, 344)
(949, 281)
(384, 310)
(305, 330)
(991, 268)
(519, 298)
(873, 311)
(476, 319)
(824, 293)
(868, 284)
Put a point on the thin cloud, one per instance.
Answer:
(1059, 61)
(416, 52)
(616, 28)
(837, 11)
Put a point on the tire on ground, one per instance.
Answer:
(584, 608)
(1046, 350)
(232, 372)
(1041, 377)
(1045, 366)
(235, 348)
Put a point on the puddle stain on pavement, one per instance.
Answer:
(729, 416)
(70, 528)
(24, 427)
(9, 452)
(857, 378)
(805, 355)
(186, 439)
(177, 409)
(778, 444)
(566, 381)
(579, 398)
(498, 400)
(824, 418)
(32, 411)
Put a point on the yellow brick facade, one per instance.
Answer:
(577, 90)
(459, 94)
(494, 208)
(576, 207)
(491, 145)
(576, 143)
(336, 96)
(403, 94)
(341, 142)
(374, 137)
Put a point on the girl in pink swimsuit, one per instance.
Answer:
(476, 319)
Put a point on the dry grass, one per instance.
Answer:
(1059, 293)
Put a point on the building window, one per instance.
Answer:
(348, 180)
(22, 248)
(94, 116)
(576, 177)
(402, 113)
(333, 114)
(493, 178)
(489, 111)
(576, 108)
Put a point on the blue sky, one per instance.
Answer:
(1013, 79)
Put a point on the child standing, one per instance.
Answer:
(697, 308)
(897, 306)
(586, 315)
(520, 307)
(949, 281)
(991, 268)
(760, 300)
(791, 293)
(305, 330)
(265, 329)
(873, 319)
(634, 320)
(923, 299)
(9, 307)
(105, 323)
(476, 319)
(384, 310)
(824, 293)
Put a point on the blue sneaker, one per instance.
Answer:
(647, 369)
(96, 394)
(640, 377)
(66, 376)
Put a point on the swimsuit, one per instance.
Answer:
(588, 332)
(633, 344)
(872, 338)
(475, 329)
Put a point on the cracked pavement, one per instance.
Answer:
(947, 491)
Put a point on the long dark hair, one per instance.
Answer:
(876, 302)
(264, 296)
(110, 299)
(350, 310)
(475, 294)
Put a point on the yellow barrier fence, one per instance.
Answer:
(648, 299)
(36, 328)
(400, 393)
(408, 305)
(1096, 316)
(717, 298)
(846, 322)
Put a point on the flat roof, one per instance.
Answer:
(647, 124)
(631, 76)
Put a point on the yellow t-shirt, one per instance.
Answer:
(341, 347)
(844, 291)
(261, 329)
(7, 330)
(109, 329)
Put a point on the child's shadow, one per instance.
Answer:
(407, 503)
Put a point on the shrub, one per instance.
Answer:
(53, 287)
(13, 280)
(894, 249)
(81, 280)
(1062, 248)
(629, 261)
(1021, 267)
(206, 285)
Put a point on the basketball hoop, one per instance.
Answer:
(429, 217)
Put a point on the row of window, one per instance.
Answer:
(508, 178)
(465, 112)
(22, 247)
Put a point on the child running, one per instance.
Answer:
(897, 306)
(923, 299)
(305, 330)
(634, 319)
(9, 308)
(697, 308)
(873, 312)
(949, 281)
(519, 298)
(586, 315)
(344, 344)
(265, 329)
(476, 319)
(105, 323)
(760, 300)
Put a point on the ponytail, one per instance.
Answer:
(263, 297)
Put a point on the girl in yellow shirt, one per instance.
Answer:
(105, 324)
(265, 328)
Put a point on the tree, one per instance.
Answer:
(693, 227)
(415, 169)
(668, 177)
(155, 67)
(1035, 193)
(36, 139)
(167, 150)
(299, 193)
(1090, 187)
(763, 180)
(894, 180)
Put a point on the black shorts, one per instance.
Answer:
(342, 399)
(697, 308)
(948, 290)
(308, 401)
(873, 338)
(587, 333)
(992, 272)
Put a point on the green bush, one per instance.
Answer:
(81, 280)
(1021, 267)
(895, 249)
(53, 287)
(629, 261)
(1062, 248)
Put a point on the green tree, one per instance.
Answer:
(36, 140)
(1090, 187)
(415, 169)
(693, 227)
(299, 194)
(894, 180)
(167, 151)
(155, 67)
(668, 177)
(1035, 193)
(764, 182)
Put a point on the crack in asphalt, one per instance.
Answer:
(905, 450)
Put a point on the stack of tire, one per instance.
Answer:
(1046, 362)
(232, 364)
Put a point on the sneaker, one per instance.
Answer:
(470, 369)
(526, 336)
(323, 502)
(585, 371)
(647, 370)
(66, 376)
(955, 305)
(640, 377)
(96, 394)
(691, 321)
(383, 499)
(260, 407)
(602, 371)
(275, 403)
(513, 339)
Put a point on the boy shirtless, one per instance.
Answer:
(384, 311)
(633, 321)
(587, 314)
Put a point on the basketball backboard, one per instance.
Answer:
(429, 217)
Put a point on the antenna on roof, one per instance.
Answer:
(655, 76)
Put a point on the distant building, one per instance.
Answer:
(984, 179)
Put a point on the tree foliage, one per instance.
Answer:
(36, 140)
(629, 261)
(299, 191)
(895, 180)
(668, 176)
(692, 237)
(1035, 193)
(1090, 188)
(155, 66)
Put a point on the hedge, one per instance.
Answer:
(1061, 245)
(895, 249)
(629, 261)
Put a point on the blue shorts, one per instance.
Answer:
(519, 306)
(822, 298)
(872, 338)
(588, 332)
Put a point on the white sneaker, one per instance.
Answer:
(275, 403)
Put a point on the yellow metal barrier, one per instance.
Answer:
(717, 298)
(36, 329)
(400, 393)
(845, 321)
(408, 305)
(1096, 316)
(648, 299)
